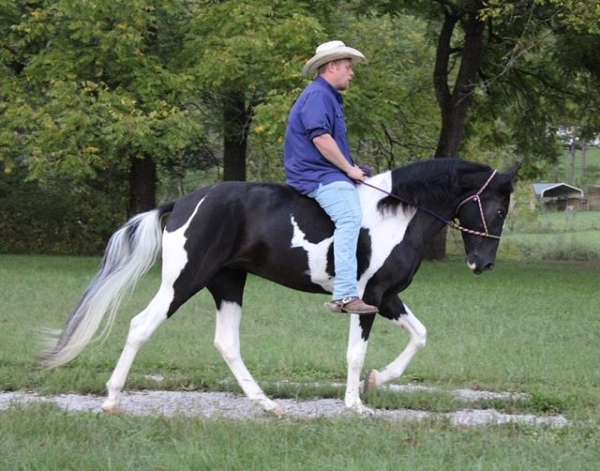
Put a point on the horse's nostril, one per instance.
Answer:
(489, 266)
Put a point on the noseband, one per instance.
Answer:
(477, 200)
(452, 224)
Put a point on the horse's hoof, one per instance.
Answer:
(371, 381)
(362, 410)
(274, 409)
(278, 412)
(112, 409)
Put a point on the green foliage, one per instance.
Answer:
(99, 84)
(60, 218)
(255, 46)
(391, 111)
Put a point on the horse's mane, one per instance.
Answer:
(427, 183)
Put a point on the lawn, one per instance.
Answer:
(528, 326)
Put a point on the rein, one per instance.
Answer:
(476, 198)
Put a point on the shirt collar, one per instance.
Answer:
(324, 83)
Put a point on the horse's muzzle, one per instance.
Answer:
(478, 266)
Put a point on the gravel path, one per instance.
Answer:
(215, 405)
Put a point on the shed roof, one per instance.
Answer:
(554, 190)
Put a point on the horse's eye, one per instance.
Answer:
(501, 213)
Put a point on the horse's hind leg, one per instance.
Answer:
(180, 281)
(141, 329)
(227, 288)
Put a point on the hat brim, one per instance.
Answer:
(311, 67)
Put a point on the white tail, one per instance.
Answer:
(130, 253)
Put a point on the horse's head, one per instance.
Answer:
(482, 215)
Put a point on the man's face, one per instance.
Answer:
(342, 73)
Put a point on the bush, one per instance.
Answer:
(64, 218)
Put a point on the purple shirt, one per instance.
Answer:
(319, 110)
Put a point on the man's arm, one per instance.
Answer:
(330, 150)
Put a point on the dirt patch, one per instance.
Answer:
(219, 405)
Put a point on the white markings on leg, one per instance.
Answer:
(141, 329)
(357, 350)
(227, 342)
(418, 339)
(142, 326)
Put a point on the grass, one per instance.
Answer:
(50, 439)
(536, 235)
(528, 327)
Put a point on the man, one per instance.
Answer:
(318, 162)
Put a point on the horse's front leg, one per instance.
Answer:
(395, 310)
(358, 340)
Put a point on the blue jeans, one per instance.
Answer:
(341, 203)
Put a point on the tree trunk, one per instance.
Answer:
(236, 122)
(142, 185)
(573, 152)
(584, 149)
(455, 104)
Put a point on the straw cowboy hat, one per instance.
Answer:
(331, 51)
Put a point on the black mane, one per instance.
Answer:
(428, 183)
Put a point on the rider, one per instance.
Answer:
(318, 162)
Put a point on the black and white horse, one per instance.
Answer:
(215, 236)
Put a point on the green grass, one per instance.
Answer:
(53, 440)
(545, 236)
(528, 327)
(513, 329)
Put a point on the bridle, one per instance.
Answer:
(477, 200)
(475, 197)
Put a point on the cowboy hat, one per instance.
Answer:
(331, 51)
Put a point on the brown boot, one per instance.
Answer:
(351, 305)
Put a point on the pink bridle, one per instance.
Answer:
(477, 199)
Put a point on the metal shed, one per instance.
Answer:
(559, 195)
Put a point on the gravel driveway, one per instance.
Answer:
(220, 405)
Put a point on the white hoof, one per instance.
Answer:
(271, 407)
(362, 410)
(111, 408)
(278, 412)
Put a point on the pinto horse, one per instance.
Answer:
(215, 236)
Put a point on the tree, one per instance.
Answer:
(240, 52)
(100, 87)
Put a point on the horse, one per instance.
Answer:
(213, 237)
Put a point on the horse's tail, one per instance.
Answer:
(130, 253)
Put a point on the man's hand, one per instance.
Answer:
(356, 173)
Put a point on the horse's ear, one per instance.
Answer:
(514, 170)
(508, 179)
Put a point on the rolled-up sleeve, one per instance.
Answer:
(316, 116)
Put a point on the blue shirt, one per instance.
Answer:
(318, 111)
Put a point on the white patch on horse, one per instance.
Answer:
(317, 257)
(174, 245)
(386, 231)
